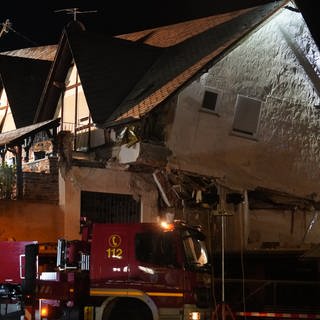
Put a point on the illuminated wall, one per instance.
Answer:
(263, 130)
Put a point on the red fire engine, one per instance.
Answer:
(117, 271)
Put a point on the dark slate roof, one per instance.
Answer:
(170, 35)
(129, 75)
(182, 61)
(23, 80)
(109, 68)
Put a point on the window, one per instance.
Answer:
(195, 250)
(39, 155)
(210, 100)
(246, 118)
(156, 248)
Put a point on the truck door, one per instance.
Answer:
(157, 267)
(11, 261)
(109, 254)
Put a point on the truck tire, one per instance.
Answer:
(126, 308)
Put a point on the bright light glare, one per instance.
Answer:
(194, 316)
(44, 312)
(146, 270)
(167, 226)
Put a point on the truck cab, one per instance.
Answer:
(145, 271)
(164, 268)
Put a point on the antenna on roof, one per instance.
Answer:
(5, 27)
(75, 11)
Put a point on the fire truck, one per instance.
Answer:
(116, 271)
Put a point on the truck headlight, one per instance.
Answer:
(44, 312)
(194, 316)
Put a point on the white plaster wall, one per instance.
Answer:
(72, 118)
(108, 181)
(285, 155)
(9, 121)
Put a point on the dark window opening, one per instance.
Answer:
(210, 100)
(39, 155)
(109, 207)
(84, 119)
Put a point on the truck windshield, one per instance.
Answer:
(156, 248)
(195, 250)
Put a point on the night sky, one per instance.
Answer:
(37, 23)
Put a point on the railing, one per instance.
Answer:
(272, 296)
(66, 126)
(81, 135)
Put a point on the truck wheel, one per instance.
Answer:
(124, 309)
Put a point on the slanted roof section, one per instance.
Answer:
(39, 53)
(168, 36)
(55, 83)
(180, 63)
(129, 75)
(15, 137)
(23, 79)
(109, 68)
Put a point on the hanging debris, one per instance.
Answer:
(129, 136)
(179, 189)
(168, 194)
(262, 198)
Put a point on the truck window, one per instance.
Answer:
(195, 250)
(156, 248)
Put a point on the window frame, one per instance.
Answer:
(237, 117)
(218, 93)
(160, 248)
(108, 207)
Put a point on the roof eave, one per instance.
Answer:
(55, 82)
